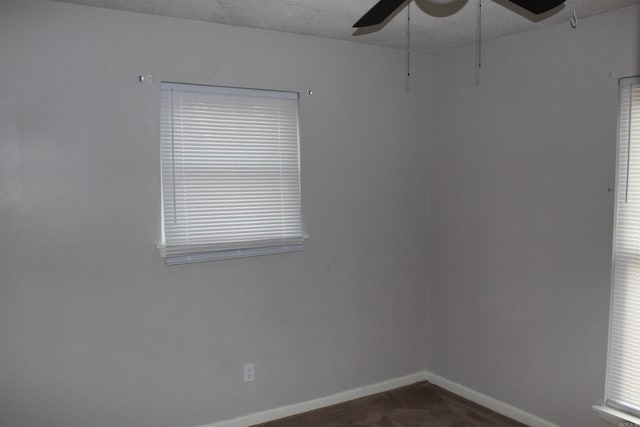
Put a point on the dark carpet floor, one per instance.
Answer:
(417, 405)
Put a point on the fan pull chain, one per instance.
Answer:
(479, 50)
(408, 85)
(573, 21)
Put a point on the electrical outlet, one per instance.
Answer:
(249, 372)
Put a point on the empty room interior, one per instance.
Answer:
(226, 213)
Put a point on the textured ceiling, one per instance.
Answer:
(433, 27)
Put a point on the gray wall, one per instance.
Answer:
(521, 215)
(94, 329)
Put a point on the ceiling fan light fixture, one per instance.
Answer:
(442, 1)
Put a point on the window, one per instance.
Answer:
(623, 365)
(230, 173)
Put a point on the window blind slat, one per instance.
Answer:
(230, 170)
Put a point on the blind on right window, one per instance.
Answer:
(623, 365)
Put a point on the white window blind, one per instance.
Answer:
(230, 172)
(623, 366)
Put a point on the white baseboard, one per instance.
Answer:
(298, 408)
(463, 391)
(489, 402)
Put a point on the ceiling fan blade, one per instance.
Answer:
(538, 6)
(378, 13)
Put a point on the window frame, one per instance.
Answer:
(611, 410)
(175, 254)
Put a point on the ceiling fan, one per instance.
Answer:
(385, 8)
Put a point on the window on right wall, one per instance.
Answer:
(622, 393)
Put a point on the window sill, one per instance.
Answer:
(231, 254)
(614, 416)
(193, 257)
